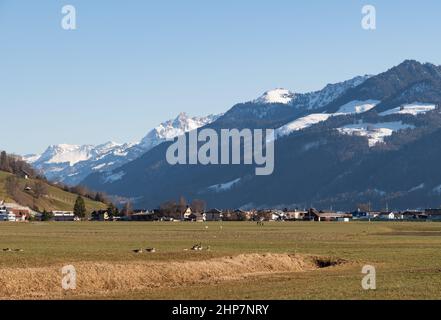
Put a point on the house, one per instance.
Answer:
(242, 215)
(263, 215)
(414, 215)
(213, 215)
(196, 216)
(5, 215)
(187, 213)
(390, 216)
(141, 215)
(21, 214)
(100, 215)
(24, 174)
(361, 215)
(63, 216)
(277, 215)
(293, 215)
(315, 215)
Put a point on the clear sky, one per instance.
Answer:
(133, 64)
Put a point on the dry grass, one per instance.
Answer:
(106, 278)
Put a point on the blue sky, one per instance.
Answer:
(133, 64)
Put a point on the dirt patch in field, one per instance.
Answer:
(105, 278)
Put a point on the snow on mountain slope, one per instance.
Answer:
(173, 128)
(279, 95)
(353, 107)
(331, 92)
(358, 107)
(65, 153)
(302, 123)
(310, 100)
(374, 132)
(70, 164)
(412, 109)
(224, 186)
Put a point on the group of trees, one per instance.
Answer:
(175, 209)
(15, 165)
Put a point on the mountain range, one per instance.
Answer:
(70, 164)
(372, 139)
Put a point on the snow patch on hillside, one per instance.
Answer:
(355, 107)
(302, 123)
(224, 186)
(114, 177)
(375, 132)
(419, 187)
(412, 109)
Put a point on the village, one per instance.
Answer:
(11, 212)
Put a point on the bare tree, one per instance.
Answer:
(182, 205)
(169, 209)
(198, 206)
(12, 185)
(40, 189)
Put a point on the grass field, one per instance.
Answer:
(245, 261)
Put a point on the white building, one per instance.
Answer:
(5, 215)
(64, 216)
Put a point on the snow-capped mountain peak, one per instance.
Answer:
(66, 153)
(279, 95)
(72, 163)
(171, 129)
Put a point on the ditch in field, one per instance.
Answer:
(103, 278)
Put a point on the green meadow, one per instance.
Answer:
(407, 258)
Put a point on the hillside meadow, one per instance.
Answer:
(298, 260)
(55, 199)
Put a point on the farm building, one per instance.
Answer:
(143, 216)
(63, 216)
(315, 215)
